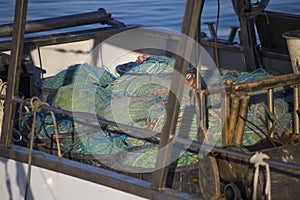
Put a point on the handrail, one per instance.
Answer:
(99, 16)
(264, 84)
(203, 148)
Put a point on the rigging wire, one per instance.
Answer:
(216, 37)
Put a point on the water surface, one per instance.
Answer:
(153, 13)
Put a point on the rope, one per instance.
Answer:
(36, 104)
(3, 88)
(258, 160)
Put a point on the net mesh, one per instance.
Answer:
(139, 98)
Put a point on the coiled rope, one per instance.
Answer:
(36, 104)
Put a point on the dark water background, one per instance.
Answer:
(154, 13)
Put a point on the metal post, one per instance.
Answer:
(270, 95)
(13, 77)
(203, 111)
(235, 105)
(296, 110)
(240, 128)
(225, 129)
(189, 28)
(211, 29)
(247, 36)
(232, 34)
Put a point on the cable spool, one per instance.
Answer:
(209, 178)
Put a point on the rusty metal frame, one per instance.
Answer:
(270, 103)
(296, 110)
(233, 131)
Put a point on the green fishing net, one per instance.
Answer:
(151, 65)
(145, 157)
(142, 94)
(141, 85)
(79, 88)
(139, 98)
(80, 98)
(79, 74)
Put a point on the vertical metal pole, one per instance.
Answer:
(189, 28)
(296, 110)
(247, 36)
(13, 77)
(235, 105)
(240, 128)
(225, 129)
(270, 95)
(203, 111)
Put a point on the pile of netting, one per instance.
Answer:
(79, 88)
(138, 97)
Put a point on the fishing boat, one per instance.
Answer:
(241, 108)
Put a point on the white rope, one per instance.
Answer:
(258, 160)
(3, 88)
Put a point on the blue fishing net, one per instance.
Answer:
(151, 65)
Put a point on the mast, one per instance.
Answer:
(189, 28)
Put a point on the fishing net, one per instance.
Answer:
(126, 110)
(44, 124)
(151, 65)
(141, 85)
(257, 118)
(145, 157)
(80, 74)
(138, 97)
(79, 88)
(80, 98)
(99, 143)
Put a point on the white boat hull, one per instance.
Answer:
(49, 185)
